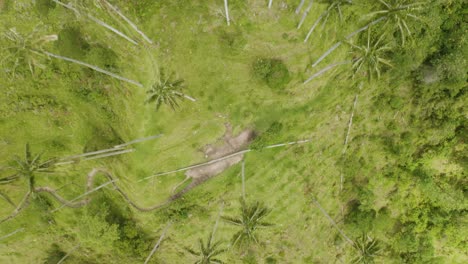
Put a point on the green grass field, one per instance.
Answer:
(402, 179)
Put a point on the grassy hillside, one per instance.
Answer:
(386, 158)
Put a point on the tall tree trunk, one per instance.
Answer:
(12, 233)
(332, 221)
(96, 68)
(132, 25)
(324, 70)
(68, 254)
(299, 7)
(270, 3)
(334, 47)
(243, 179)
(223, 158)
(226, 10)
(215, 227)
(98, 21)
(315, 25)
(158, 243)
(306, 12)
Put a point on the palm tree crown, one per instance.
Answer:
(25, 49)
(250, 220)
(369, 57)
(166, 91)
(398, 12)
(28, 166)
(207, 252)
(367, 249)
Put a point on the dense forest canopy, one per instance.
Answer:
(233, 131)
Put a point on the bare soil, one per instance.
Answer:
(230, 145)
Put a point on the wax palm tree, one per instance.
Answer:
(167, 91)
(394, 12)
(28, 166)
(208, 251)
(398, 14)
(369, 58)
(250, 220)
(25, 49)
(28, 50)
(367, 249)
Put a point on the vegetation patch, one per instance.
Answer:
(272, 72)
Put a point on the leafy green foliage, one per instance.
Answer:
(250, 220)
(54, 254)
(267, 137)
(397, 14)
(28, 166)
(95, 233)
(367, 249)
(335, 6)
(368, 59)
(166, 91)
(272, 71)
(25, 50)
(208, 252)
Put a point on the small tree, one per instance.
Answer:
(250, 220)
(167, 91)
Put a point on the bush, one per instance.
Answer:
(272, 71)
(267, 137)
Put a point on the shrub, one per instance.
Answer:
(272, 71)
(267, 137)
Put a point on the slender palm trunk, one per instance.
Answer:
(299, 7)
(270, 3)
(223, 158)
(68, 203)
(324, 70)
(113, 149)
(12, 233)
(23, 204)
(139, 140)
(215, 227)
(96, 68)
(315, 25)
(243, 179)
(345, 147)
(334, 47)
(105, 155)
(332, 221)
(98, 21)
(306, 12)
(350, 123)
(68, 254)
(158, 243)
(226, 9)
(132, 25)
(185, 96)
